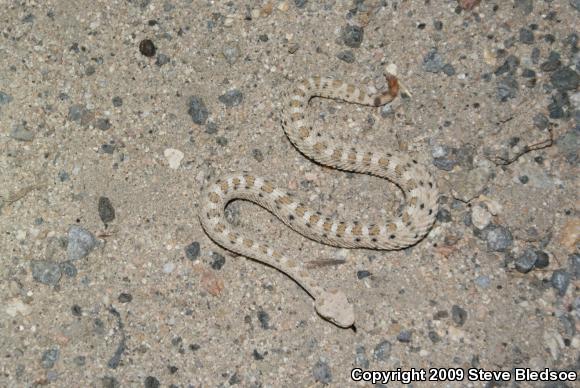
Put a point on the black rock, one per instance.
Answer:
(125, 297)
(264, 319)
(362, 274)
(404, 336)
(443, 215)
(147, 48)
(218, 261)
(526, 36)
(152, 382)
(117, 101)
(300, 3)
(543, 260)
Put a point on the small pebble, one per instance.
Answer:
(103, 124)
(80, 243)
(552, 63)
(352, 36)
(565, 79)
(432, 62)
(174, 157)
(346, 56)
(382, 351)
(523, 179)
(483, 281)
(50, 357)
(162, 59)
(507, 88)
(293, 47)
(361, 359)
(192, 251)
(5, 98)
(543, 259)
(560, 281)
(68, 268)
(151, 382)
(526, 262)
(231, 98)
(125, 297)
(197, 110)
(117, 101)
(443, 215)
(76, 310)
(109, 382)
(218, 261)
(480, 217)
(257, 154)
(106, 210)
(526, 36)
(404, 336)
(21, 133)
(498, 238)
(541, 121)
(458, 315)
(45, 272)
(168, 267)
(147, 48)
(264, 319)
(448, 69)
(574, 265)
(362, 274)
(80, 360)
(321, 372)
(300, 3)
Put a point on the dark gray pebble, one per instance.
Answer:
(147, 48)
(526, 6)
(362, 274)
(5, 98)
(443, 215)
(382, 351)
(192, 251)
(117, 101)
(458, 315)
(510, 65)
(50, 357)
(552, 63)
(106, 210)
(498, 238)
(108, 148)
(535, 55)
(231, 98)
(264, 319)
(523, 179)
(90, 70)
(360, 358)
(68, 268)
(526, 36)
(80, 360)
(80, 243)
(234, 379)
(432, 62)
(352, 36)
(438, 25)
(404, 336)
(300, 3)
(507, 88)
(76, 310)
(263, 37)
(448, 69)
(527, 260)
(125, 297)
(322, 373)
(222, 141)
(103, 124)
(346, 56)
(574, 265)
(257, 154)
(541, 121)
(151, 382)
(197, 110)
(528, 73)
(434, 337)
(45, 272)
(556, 107)
(218, 261)
(565, 79)
(211, 128)
(162, 59)
(560, 281)
(543, 259)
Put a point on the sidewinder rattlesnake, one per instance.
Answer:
(396, 232)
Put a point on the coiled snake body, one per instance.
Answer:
(396, 232)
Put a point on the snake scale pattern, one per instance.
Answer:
(395, 232)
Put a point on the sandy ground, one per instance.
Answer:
(106, 139)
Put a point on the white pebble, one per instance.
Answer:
(173, 157)
(480, 217)
(168, 267)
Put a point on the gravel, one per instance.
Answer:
(151, 382)
(80, 243)
(574, 265)
(352, 36)
(5, 98)
(192, 251)
(565, 79)
(231, 98)
(218, 261)
(162, 59)
(404, 336)
(197, 110)
(560, 281)
(526, 36)
(362, 274)
(147, 48)
(498, 238)
(526, 262)
(50, 357)
(382, 351)
(458, 315)
(322, 373)
(106, 210)
(45, 272)
(346, 56)
(21, 133)
(432, 62)
(360, 358)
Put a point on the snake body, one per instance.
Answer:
(395, 232)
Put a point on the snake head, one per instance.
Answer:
(333, 306)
